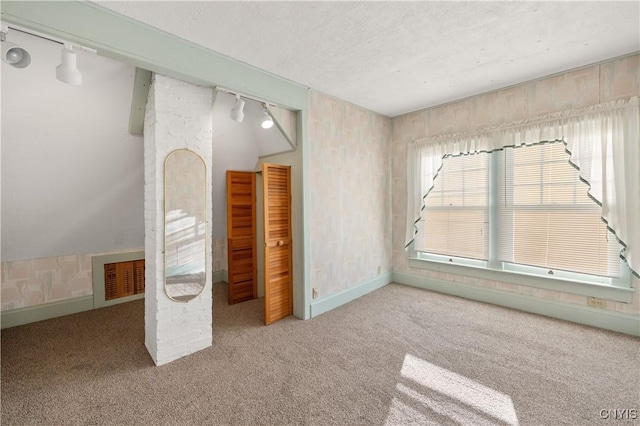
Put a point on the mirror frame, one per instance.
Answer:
(204, 217)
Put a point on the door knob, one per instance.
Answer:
(280, 243)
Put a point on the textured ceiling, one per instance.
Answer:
(398, 57)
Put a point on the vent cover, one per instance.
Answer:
(123, 279)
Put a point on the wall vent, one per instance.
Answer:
(123, 279)
(118, 278)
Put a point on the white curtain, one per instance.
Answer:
(604, 144)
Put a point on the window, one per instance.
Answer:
(522, 209)
(455, 220)
(547, 218)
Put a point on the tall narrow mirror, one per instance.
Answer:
(184, 225)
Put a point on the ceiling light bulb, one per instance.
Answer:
(267, 121)
(237, 112)
(15, 55)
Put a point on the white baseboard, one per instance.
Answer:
(602, 318)
(21, 316)
(345, 296)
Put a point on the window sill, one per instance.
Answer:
(619, 294)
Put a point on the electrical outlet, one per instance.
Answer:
(594, 302)
(315, 293)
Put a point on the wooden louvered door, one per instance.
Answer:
(119, 280)
(138, 266)
(241, 236)
(278, 290)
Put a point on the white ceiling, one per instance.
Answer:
(398, 57)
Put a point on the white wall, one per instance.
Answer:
(72, 175)
(234, 148)
(237, 146)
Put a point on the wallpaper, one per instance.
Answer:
(51, 279)
(32, 282)
(575, 89)
(350, 171)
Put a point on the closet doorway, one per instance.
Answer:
(242, 239)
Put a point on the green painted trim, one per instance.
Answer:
(282, 131)
(302, 130)
(132, 42)
(275, 154)
(97, 272)
(21, 316)
(120, 300)
(618, 294)
(141, 85)
(219, 276)
(602, 318)
(345, 296)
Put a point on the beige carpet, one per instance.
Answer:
(399, 355)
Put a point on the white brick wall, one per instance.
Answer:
(178, 115)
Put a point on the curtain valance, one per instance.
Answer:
(603, 142)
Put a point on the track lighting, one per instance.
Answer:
(237, 112)
(18, 57)
(67, 71)
(267, 121)
(15, 55)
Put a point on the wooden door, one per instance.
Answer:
(241, 236)
(278, 278)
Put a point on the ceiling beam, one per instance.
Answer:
(135, 43)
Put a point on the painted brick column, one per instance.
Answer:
(178, 115)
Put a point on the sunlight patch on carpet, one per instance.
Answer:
(433, 392)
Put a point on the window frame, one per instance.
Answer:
(616, 289)
(463, 207)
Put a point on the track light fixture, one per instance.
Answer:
(18, 57)
(67, 71)
(267, 121)
(237, 112)
(14, 55)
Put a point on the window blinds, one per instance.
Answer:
(547, 218)
(544, 217)
(455, 219)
